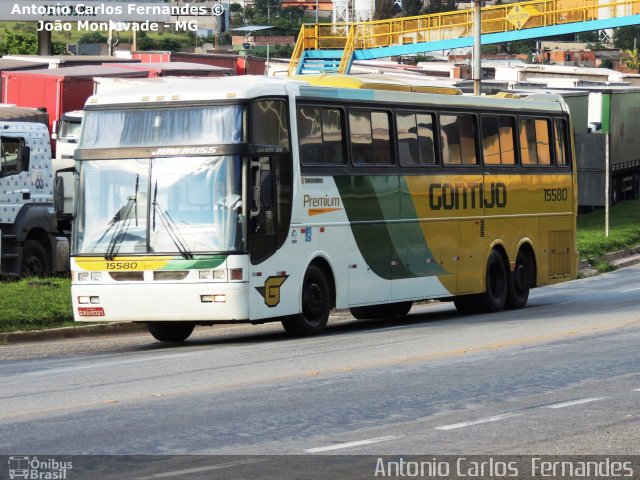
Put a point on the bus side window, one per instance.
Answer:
(370, 137)
(560, 127)
(528, 152)
(320, 136)
(535, 145)
(415, 139)
(270, 124)
(458, 134)
(497, 140)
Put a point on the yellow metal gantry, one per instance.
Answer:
(410, 31)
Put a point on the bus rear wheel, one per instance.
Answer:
(519, 282)
(316, 305)
(465, 304)
(170, 331)
(496, 285)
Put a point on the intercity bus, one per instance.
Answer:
(254, 199)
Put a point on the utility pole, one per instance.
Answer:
(477, 32)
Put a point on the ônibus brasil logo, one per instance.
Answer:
(33, 468)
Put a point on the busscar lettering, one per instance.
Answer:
(464, 196)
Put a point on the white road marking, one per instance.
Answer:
(630, 290)
(339, 446)
(477, 422)
(636, 390)
(575, 402)
(207, 468)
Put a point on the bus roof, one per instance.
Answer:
(321, 87)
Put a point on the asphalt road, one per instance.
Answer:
(561, 376)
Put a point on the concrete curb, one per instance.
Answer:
(71, 332)
(620, 259)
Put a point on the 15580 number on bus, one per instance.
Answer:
(122, 265)
(556, 194)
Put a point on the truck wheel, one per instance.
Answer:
(519, 282)
(170, 331)
(496, 285)
(34, 260)
(316, 305)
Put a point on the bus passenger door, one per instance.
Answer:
(262, 221)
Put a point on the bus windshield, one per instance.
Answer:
(153, 127)
(182, 205)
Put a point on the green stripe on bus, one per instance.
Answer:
(384, 225)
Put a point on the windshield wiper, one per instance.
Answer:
(172, 229)
(123, 216)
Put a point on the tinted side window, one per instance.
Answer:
(320, 136)
(370, 138)
(458, 134)
(535, 147)
(270, 123)
(415, 138)
(560, 126)
(497, 140)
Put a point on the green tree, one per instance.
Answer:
(439, 6)
(19, 43)
(170, 44)
(145, 42)
(92, 37)
(235, 8)
(384, 9)
(268, 9)
(633, 59)
(412, 7)
(626, 38)
(589, 37)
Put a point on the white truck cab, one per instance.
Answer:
(31, 242)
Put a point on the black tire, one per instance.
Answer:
(316, 305)
(520, 281)
(170, 331)
(360, 313)
(496, 285)
(34, 260)
(465, 304)
(386, 310)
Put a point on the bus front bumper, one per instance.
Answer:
(202, 302)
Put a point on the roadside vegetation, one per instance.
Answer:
(34, 304)
(624, 230)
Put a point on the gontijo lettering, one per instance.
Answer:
(453, 196)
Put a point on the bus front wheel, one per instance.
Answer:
(496, 285)
(170, 331)
(316, 305)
